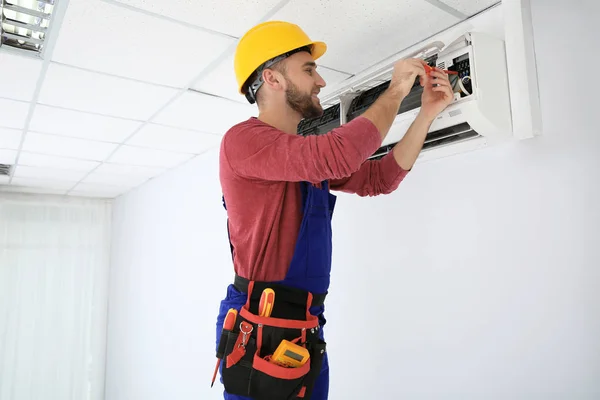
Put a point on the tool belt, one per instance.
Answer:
(246, 350)
(293, 294)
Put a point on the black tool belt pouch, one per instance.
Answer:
(247, 348)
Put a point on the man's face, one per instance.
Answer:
(303, 85)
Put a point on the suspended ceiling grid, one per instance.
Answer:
(129, 89)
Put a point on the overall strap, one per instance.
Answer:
(228, 234)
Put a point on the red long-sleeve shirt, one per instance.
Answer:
(260, 170)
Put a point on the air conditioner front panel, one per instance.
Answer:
(449, 140)
(456, 147)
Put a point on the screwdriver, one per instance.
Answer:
(429, 68)
(267, 300)
(227, 326)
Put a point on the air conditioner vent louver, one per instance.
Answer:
(443, 137)
(24, 24)
(320, 125)
(452, 134)
(361, 103)
(5, 169)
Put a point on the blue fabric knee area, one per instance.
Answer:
(228, 396)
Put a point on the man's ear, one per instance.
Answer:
(273, 78)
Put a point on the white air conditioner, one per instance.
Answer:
(480, 114)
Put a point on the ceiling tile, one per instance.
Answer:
(43, 183)
(8, 156)
(148, 157)
(205, 113)
(211, 14)
(45, 161)
(23, 171)
(19, 76)
(115, 179)
(174, 139)
(4, 180)
(10, 138)
(13, 113)
(131, 170)
(67, 147)
(221, 81)
(469, 7)
(112, 39)
(358, 34)
(96, 190)
(82, 125)
(102, 94)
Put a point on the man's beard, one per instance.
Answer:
(301, 102)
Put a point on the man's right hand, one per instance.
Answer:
(404, 74)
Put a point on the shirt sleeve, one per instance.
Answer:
(374, 177)
(259, 151)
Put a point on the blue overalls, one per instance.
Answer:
(309, 269)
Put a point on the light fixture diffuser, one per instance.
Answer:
(25, 24)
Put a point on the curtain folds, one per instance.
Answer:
(54, 266)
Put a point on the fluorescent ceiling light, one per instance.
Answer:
(25, 24)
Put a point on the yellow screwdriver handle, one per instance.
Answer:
(267, 301)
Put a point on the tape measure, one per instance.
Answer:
(290, 355)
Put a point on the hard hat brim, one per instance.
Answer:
(319, 48)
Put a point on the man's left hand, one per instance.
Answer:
(437, 94)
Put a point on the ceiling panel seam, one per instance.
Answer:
(60, 9)
(115, 76)
(17, 100)
(169, 19)
(71, 158)
(208, 69)
(106, 116)
(445, 7)
(89, 112)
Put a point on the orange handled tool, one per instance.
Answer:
(230, 319)
(429, 68)
(227, 326)
(267, 301)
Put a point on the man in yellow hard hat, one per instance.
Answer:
(276, 190)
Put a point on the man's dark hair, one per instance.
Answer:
(254, 83)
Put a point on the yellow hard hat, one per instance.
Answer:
(269, 41)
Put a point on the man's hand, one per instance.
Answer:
(405, 73)
(437, 94)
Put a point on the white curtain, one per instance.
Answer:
(54, 265)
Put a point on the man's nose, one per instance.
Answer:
(320, 81)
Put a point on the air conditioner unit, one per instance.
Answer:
(479, 115)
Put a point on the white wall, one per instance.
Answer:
(485, 265)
